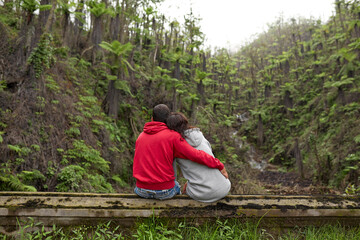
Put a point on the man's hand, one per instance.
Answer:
(224, 172)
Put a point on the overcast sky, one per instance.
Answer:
(230, 23)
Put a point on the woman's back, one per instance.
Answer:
(204, 184)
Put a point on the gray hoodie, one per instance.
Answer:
(204, 184)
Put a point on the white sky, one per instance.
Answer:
(230, 23)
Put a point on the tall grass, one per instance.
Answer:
(155, 228)
(28, 230)
(328, 232)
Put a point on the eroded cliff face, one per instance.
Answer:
(50, 123)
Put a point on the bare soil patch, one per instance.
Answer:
(289, 183)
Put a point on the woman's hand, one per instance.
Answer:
(224, 172)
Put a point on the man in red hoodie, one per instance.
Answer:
(155, 150)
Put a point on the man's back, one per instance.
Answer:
(154, 154)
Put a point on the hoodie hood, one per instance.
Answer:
(194, 136)
(154, 127)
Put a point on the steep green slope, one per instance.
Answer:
(305, 95)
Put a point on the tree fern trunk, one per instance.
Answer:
(96, 36)
(177, 76)
(260, 131)
(111, 103)
(78, 25)
(298, 158)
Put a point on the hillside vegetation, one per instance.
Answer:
(78, 81)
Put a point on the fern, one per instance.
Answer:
(90, 158)
(70, 179)
(12, 183)
(42, 56)
(30, 177)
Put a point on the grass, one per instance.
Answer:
(155, 228)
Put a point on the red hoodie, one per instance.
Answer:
(155, 150)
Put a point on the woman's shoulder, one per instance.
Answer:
(192, 130)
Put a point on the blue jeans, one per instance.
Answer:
(158, 194)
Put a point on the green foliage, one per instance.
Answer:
(74, 178)
(9, 182)
(99, 184)
(352, 163)
(116, 48)
(65, 6)
(12, 183)
(154, 229)
(151, 229)
(41, 58)
(83, 175)
(73, 131)
(119, 181)
(120, 84)
(89, 157)
(29, 229)
(20, 150)
(51, 84)
(70, 179)
(2, 85)
(31, 177)
(98, 9)
(32, 5)
(35, 147)
(119, 63)
(351, 189)
(357, 139)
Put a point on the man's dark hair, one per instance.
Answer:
(160, 113)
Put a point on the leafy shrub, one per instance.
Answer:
(42, 56)
(89, 157)
(71, 179)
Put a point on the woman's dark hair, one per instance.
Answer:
(178, 122)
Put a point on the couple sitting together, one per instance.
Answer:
(166, 140)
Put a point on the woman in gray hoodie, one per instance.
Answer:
(204, 184)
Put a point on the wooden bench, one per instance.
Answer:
(64, 209)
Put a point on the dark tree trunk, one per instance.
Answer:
(260, 131)
(288, 102)
(78, 25)
(111, 101)
(177, 76)
(96, 36)
(341, 96)
(65, 29)
(200, 85)
(267, 91)
(50, 18)
(339, 12)
(44, 15)
(122, 23)
(115, 26)
(286, 67)
(298, 158)
(6, 2)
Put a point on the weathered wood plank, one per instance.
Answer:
(85, 208)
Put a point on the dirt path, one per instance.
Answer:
(288, 183)
(275, 181)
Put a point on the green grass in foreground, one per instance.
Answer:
(154, 228)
